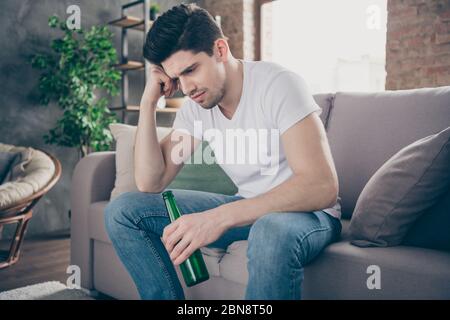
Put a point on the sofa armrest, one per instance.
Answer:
(92, 181)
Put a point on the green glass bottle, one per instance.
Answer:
(193, 268)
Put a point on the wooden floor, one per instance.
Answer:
(41, 259)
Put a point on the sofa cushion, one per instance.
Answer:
(233, 265)
(431, 230)
(341, 271)
(203, 177)
(124, 136)
(98, 232)
(366, 129)
(401, 190)
(325, 102)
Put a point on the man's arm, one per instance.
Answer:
(158, 163)
(313, 186)
(154, 161)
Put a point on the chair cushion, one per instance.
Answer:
(401, 190)
(6, 159)
(33, 172)
(21, 156)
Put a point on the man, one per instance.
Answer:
(287, 209)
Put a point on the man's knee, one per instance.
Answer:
(277, 235)
(125, 209)
(272, 233)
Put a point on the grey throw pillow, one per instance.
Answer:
(431, 230)
(401, 190)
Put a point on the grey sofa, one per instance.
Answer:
(364, 130)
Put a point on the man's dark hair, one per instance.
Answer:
(183, 27)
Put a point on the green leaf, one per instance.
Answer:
(78, 67)
(53, 21)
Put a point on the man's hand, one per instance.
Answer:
(190, 232)
(158, 85)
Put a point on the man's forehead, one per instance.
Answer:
(178, 62)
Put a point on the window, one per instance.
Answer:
(333, 45)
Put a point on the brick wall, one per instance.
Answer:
(238, 24)
(418, 44)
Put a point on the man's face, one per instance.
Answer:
(198, 73)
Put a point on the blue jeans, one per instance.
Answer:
(279, 244)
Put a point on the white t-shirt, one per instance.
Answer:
(248, 146)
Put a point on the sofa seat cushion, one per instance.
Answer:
(98, 232)
(340, 272)
(343, 272)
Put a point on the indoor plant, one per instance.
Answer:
(79, 64)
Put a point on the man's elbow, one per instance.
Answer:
(149, 187)
(330, 194)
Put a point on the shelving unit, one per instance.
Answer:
(126, 22)
(131, 108)
(130, 65)
(129, 22)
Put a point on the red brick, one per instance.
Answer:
(403, 11)
(418, 46)
(445, 16)
(442, 38)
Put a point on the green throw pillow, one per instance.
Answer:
(203, 177)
